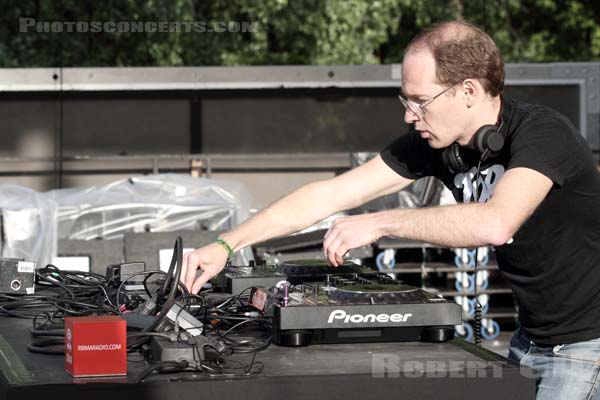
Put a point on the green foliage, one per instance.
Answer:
(291, 32)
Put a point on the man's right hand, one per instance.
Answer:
(211, 259)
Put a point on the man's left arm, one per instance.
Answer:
(516, 196)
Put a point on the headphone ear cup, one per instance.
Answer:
(453, 159)
(488, 138)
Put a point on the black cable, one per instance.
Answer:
(82, 293)
(216, 365)
(131, 345)
(50, 321)
(237, 297)
(47, 346)
(47, 332)
(175, 266)
(247, 346)
(145, 283)
(204, 369)
(67, 293)
(478, 306)
(55, 282)
(166, 366)
(178, 260)
(39, 304)
(120, 288)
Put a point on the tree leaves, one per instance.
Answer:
(289, 32)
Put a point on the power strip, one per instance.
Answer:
(166, 350)
(163, 349)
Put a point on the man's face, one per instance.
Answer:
(434, 109)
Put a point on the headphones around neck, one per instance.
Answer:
(487, 141)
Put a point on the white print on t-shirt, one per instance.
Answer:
(487, 181)
(488, 178)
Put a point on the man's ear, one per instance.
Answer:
(471, 90)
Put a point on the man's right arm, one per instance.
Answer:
(303, 207)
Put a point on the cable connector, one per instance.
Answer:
(177, 319)
(147, 308)
(252, 314)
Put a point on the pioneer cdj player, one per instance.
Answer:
(353, 307)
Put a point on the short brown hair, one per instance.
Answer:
(462, 51)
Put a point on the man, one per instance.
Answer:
(527, 183)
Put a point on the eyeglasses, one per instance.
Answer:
(419, 108)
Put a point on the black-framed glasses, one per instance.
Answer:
(419, 108)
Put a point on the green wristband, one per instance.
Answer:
(227, 247)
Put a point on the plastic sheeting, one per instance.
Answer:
(33, 222)
(154, 203)
(421, 193)
(28, 225)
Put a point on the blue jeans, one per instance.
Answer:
(569, 371)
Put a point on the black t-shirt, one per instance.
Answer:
(553, 262)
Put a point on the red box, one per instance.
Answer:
(95, 346)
